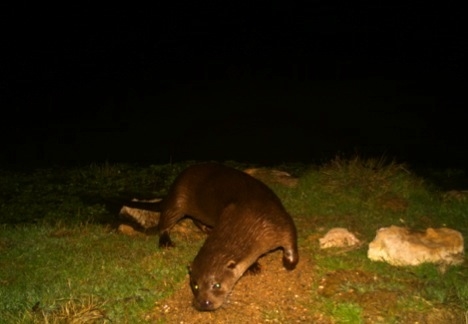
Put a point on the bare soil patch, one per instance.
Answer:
(273, 295)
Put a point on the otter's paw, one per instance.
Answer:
(290, 259)
(165, 241)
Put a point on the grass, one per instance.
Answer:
(61, 259)
(53, 271)
(346, 313)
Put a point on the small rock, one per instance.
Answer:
(401, 247)
(338, 237)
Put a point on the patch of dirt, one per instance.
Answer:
(273, 296)
(379, 304)
(353, 286)
(438, 315)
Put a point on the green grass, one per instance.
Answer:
(346, 313)
(49, 265)
(61, 261)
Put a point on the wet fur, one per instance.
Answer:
(244, 218)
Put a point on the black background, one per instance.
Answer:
(266, 81)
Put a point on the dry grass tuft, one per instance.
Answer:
(372, 175)
(377, 181)
(72, 311)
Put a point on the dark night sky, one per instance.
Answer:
(265, 82)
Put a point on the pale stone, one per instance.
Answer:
(338, 237)
(401, 247)
(272, 175)
(128, 230)
(146, 218)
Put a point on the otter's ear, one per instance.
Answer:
(231, 264)
(189, 268)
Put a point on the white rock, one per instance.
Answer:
(146, 218)
(400, 247)
(338, 237)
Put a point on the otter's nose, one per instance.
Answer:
(204, 305)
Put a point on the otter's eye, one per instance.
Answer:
(216, 286)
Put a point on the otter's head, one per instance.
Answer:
(211, 285)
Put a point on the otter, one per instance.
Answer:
(244, 220)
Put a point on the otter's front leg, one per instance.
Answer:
(290, 255)
(167, 221)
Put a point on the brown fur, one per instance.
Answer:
(244, 218)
